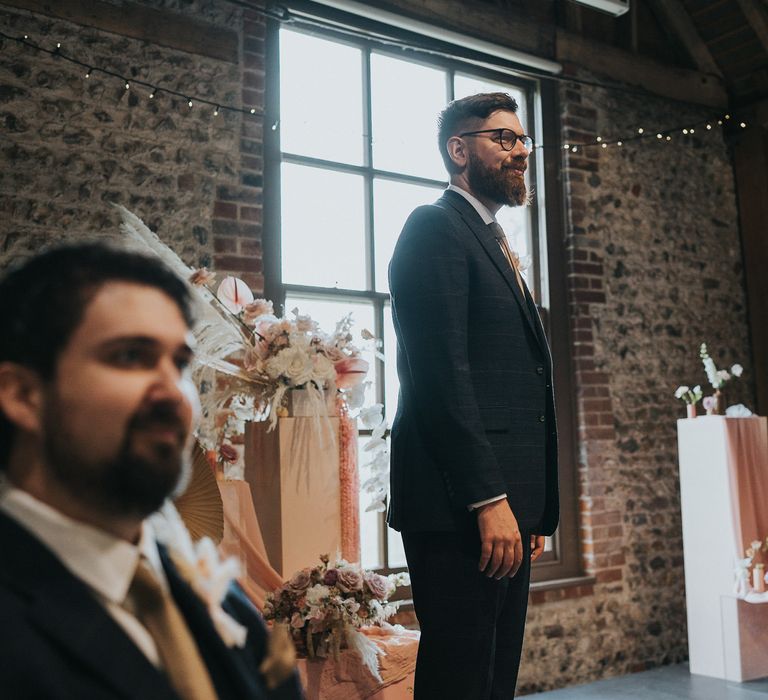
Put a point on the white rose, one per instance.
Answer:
(291, 363)
(322, 369)
(737, 370)
(317, 593)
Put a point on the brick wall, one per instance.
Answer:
(69, 145)
(654, 268)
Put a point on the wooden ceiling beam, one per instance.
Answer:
(672, 13)
(655, 77)
(757, 19)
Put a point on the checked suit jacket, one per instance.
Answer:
(476, 415)
(57, 642)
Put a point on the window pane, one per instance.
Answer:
(328, 312)
(321, 98)
(323, 228)
(396, 551)
(406, 99)
(464, 85)
(392, 203)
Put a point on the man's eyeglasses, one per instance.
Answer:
(506, 138)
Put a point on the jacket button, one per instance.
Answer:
(542, 418)
(539, 370)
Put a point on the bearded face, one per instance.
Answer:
(502, 183)
(138, 477)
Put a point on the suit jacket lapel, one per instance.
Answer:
(63, 609)
(232, 674)
(491, 246)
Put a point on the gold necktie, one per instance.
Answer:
(181, 659)
(512, 259)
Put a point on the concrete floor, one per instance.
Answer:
(666, 683)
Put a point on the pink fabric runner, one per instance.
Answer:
(348, 679)
(747, 440)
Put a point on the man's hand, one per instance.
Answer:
(501, 549)
(537, 546)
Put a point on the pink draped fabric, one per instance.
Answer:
(243, 540)
(747, 440)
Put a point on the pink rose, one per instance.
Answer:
(350, 372)
(330, 578)
(349, 580)
(379, 585)
(296, 621)
(300, 580)
(258, 307)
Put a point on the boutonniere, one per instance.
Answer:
(200, 565)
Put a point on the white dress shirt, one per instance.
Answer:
(487, 218)
(105, 563)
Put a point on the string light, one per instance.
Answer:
(604, 145)
(727, 116)
(619, 143)
(692, 130)
(599, 139)
(88, 70)
(659, 136)
(669, 138)
(640, 130)
(216, 111)
(566, 146)
(709, 127)
(685, 131)
(574, 149)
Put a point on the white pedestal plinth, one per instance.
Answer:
(294, 477)
(719, 642)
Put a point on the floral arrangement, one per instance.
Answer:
(327, 605)
(717, 377)
(690, 396)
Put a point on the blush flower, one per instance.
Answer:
(380, 586)
(300, 580)
(349, 580)
(256, 309)
(350, 372)
(201, 277)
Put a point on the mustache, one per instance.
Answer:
(162, 414)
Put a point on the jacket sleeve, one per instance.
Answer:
(429, 284)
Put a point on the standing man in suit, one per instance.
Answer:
(474, 443)
(96, 414)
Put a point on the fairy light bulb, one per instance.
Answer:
(659, 136)
(127, 86)
(216, 111)
(619, 143)
(599, 139)
(566, 146)
(709, 127)
(189, 104)
(574, 149)
(604, 145)
(743, 125)
(253, 111)
(641, 130)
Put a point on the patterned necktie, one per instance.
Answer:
(181, 658)
(512, 259)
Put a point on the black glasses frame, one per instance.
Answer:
(500, 138)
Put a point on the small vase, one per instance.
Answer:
(719, 408)
(690, 410)
(758, 578)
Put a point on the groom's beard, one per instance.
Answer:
(499, 185)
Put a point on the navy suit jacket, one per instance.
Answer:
(476, 414)
(58, 642)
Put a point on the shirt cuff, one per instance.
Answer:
(475, 506)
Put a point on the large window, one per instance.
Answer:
(355, 151)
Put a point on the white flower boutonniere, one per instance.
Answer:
(202, 568)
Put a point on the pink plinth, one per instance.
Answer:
(348, 679)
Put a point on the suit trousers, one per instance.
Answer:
(471, 625)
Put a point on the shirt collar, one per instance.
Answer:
(102, 561)
(479, 207)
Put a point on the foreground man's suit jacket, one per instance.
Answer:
(57, 641)
(476, 413)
